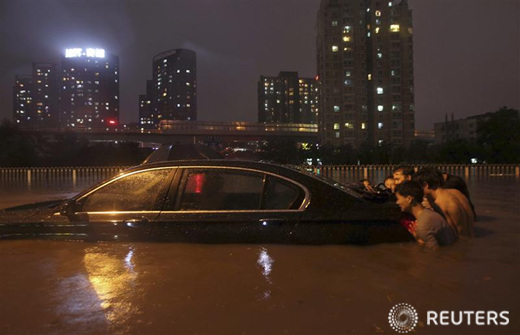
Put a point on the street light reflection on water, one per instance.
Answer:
(113, 279)
(266, 263)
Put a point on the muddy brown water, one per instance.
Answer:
(57, 287)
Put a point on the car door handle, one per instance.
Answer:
(272, 221)
(136, 222)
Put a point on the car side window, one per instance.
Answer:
(222, 189)
(281, 194)
(135, 192)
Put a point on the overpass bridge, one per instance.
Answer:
(173, 131)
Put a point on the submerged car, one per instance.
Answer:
(211, 201)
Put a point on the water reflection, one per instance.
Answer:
(265, 261)
(113, 278)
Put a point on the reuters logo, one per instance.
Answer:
(403, 318)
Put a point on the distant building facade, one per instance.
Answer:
(175, 85)
(287, 98)
(35, 97)
(147, 117)
(89, 95)
(365, 70)
(452, 130)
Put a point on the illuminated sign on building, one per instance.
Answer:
(89, 52)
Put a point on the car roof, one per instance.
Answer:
(267, 166)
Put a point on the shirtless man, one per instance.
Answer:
(451, 203)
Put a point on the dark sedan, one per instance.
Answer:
(211, 201)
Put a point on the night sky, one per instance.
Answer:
(466, 57)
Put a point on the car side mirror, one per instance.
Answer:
(69, 208)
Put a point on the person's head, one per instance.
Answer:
(429, 178)
(402, 173)
(390, 183)
(409, 194)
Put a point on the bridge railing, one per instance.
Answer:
(376, 173)
(379, 172)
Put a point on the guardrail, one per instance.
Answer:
(29, 175)
(379, 172)
(375, 173)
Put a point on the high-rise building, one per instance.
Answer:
(89, 97)
(287, 99)
(365, 69)
(175, 86)
(45, 94)
(35, 97)
(23, 101)
(146, 108)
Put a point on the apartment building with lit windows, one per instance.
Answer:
(89, 97)
(146, 108)
(287, 98)
(35, 97)
(365, 71)
(174, 91)
(23, 101)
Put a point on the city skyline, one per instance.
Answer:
(470, 70)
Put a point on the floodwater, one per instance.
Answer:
(56, 287)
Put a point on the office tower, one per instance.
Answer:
(89, 97)
(175, 85)
(287, 99)
(146, 108)
(365, 69)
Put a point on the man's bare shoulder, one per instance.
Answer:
(456, 194)
(446, 200)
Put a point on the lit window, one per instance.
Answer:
(394, 28)
(369, 76)
(379, 55)
(337, 134)
(378, 13)
(363, 125)
(346, 38)
(380, 90)
(376, 30)
(368, 34)
(389, 3)
(349, 125)
(188, 71)
(380, 125)
(380, 108)
(336, 126)
(335, 48)
(348, 82)
(336, 108)
(347, 29)
(334, 23)
(348, 73)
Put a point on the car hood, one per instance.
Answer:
(30, 212)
